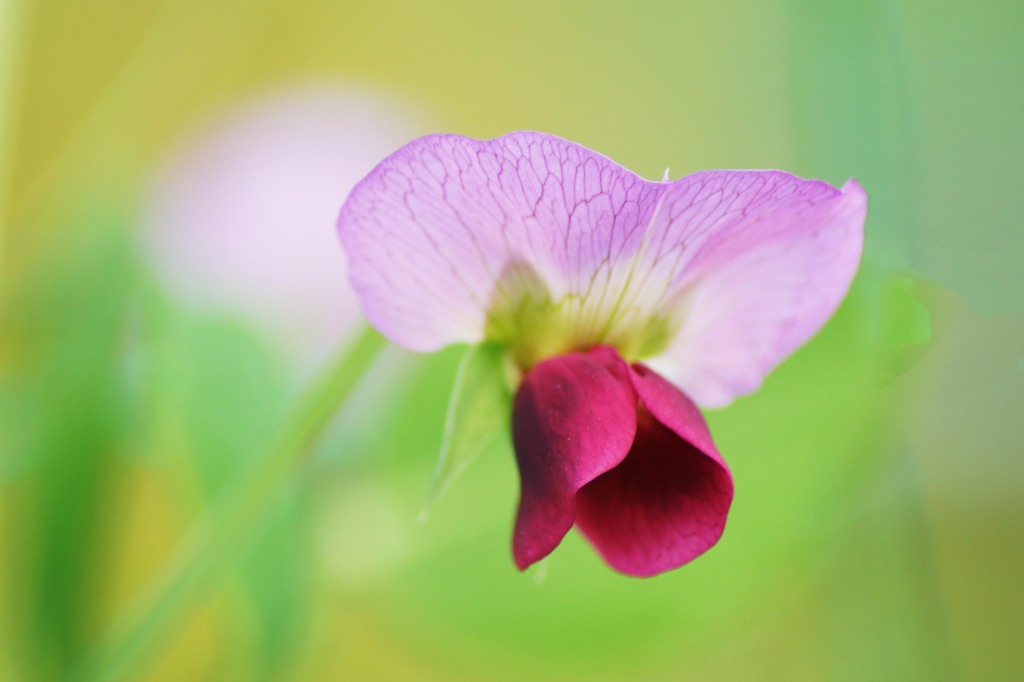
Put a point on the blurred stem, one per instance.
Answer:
(220, 538)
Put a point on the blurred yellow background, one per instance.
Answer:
(169, 178)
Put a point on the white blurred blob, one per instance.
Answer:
(242, 216)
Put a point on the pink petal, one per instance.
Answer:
(437, 226)
(574, 418)
(738, 267)
(667, 502)
(760, 260)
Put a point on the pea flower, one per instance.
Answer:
(620, 303)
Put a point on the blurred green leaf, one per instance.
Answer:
(68, 323)
(231, 522)
(229, 393)
(478, 412)
(220, 395)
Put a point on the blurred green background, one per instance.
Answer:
(150, 154)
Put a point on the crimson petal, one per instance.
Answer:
(574, 418)
(667, 502)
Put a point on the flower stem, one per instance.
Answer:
(216, 542)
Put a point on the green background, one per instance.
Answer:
(877, 528)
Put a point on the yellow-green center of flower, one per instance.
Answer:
(525, 318)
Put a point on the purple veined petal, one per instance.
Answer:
(753, 263)
(574, 418)
(437, 227)
(667, 502)
(718, 275)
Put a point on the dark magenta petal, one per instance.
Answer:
(667, 502)
(574, 418)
